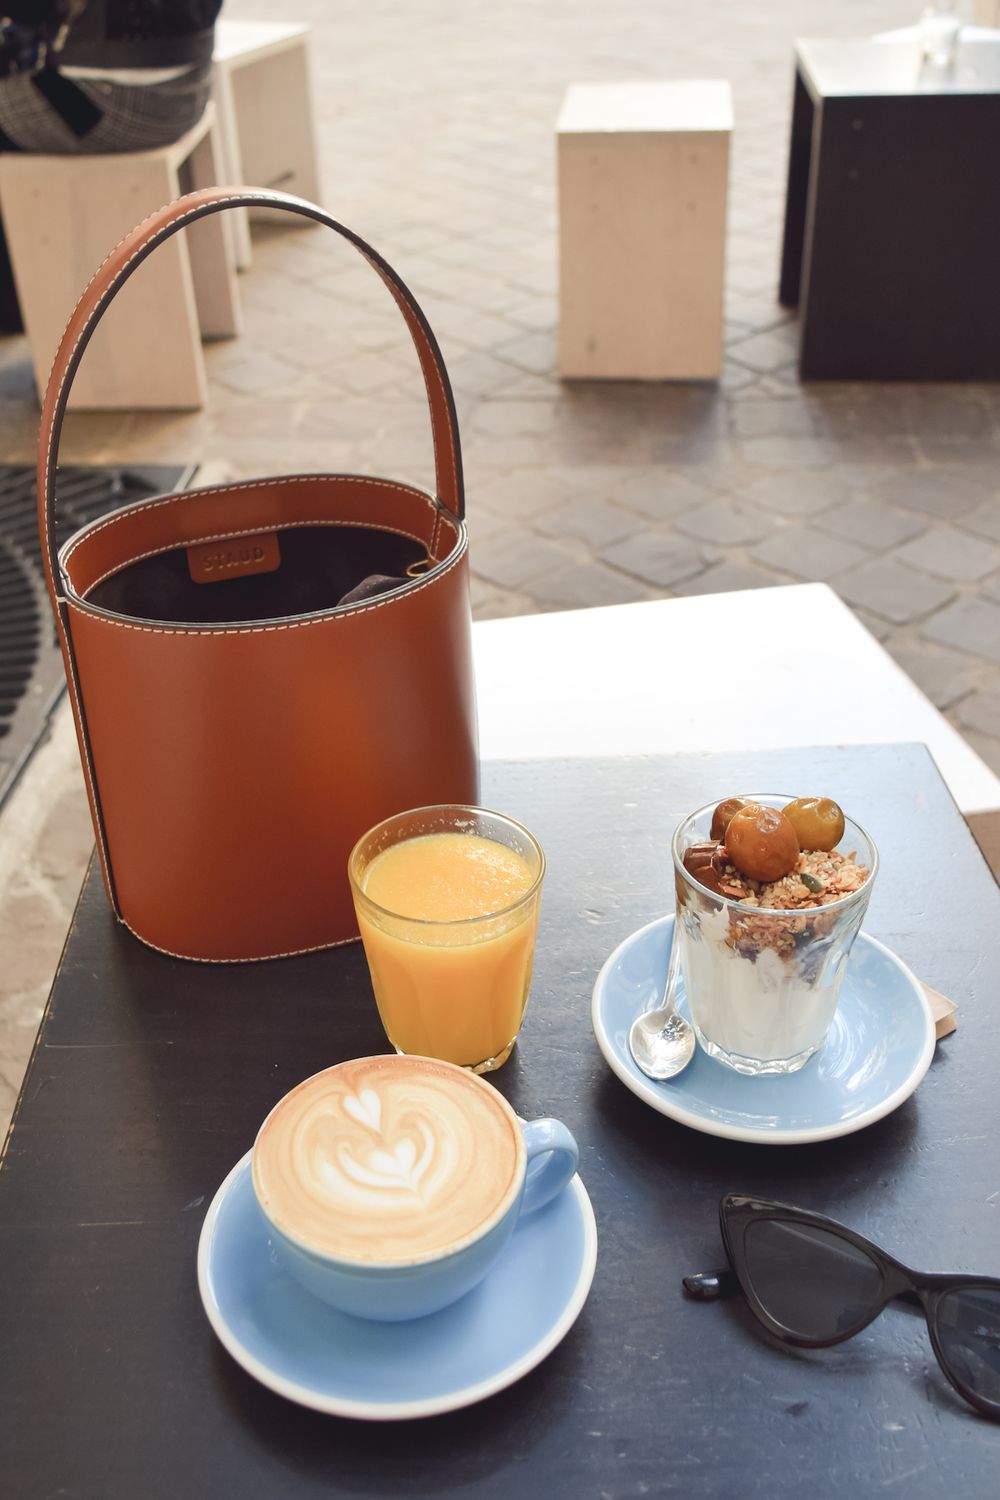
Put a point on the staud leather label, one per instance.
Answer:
(236, 557)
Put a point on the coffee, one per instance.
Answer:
(392, 1185)
(388, 1159)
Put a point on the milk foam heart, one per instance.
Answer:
(388, 1159)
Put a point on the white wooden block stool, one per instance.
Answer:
(643, 174)
(264, 99)
(62, 214)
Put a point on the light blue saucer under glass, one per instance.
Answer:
(303, 1349)
(878, 1048)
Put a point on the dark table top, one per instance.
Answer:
(892, 65)
(151, 1076)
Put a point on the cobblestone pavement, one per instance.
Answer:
(436, 128)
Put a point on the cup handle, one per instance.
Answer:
(553, 1157)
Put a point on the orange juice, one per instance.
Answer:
(449, 936)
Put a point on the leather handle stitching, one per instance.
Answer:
(167, 230)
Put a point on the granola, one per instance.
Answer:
(786, 865)
(832, 875)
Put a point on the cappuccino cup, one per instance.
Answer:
(390, 1185)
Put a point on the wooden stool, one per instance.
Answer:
(62, 214)
(263, 96)
(643, 172)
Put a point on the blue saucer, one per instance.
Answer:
(321, 1358)
(877, 1050)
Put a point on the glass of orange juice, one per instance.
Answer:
(447, 902)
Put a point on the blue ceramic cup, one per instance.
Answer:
(380, 1141)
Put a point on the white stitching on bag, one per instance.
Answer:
(180, 223)
(228, 489)
(103, 852)
(261, 958)
(397, 297)
(87, 327)
(226, 536)
(449, 521)
(324, 619)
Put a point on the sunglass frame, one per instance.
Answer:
(737, 1212)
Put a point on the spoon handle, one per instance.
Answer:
(673, 972)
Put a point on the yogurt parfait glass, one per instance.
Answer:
(762, 982)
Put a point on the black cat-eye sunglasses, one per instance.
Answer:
(813, 1282)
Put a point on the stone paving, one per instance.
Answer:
(436, 129)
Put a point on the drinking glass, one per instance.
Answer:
(763, 983)
(939, 28)
(454, 989)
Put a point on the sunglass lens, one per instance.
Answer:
(968, 1330)
(812, 1282)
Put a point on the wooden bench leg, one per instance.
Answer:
(272, 102)
(211, 248)
(232, 161)
(62, 215)
(147, 351)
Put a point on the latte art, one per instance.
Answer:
(398, 1167)
(387, 1159)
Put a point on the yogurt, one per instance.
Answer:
(762, 1009)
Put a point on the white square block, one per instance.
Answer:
(643, 177)
(63, 214)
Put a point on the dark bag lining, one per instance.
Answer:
(321, 567)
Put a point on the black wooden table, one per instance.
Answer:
(151, 1075)
(892, 216)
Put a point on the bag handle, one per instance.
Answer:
(130, 252)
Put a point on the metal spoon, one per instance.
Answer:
(662, 1043)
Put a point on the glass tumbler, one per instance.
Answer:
(451, 987)
(763, 983)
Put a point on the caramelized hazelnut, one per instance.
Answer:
(723, 813)
(703, 863)
(761, 843)
(818, 821)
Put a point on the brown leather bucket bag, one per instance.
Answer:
(260, 671)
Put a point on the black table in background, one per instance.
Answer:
(892, 217)
(151, 1076)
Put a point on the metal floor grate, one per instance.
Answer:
(31, 674)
